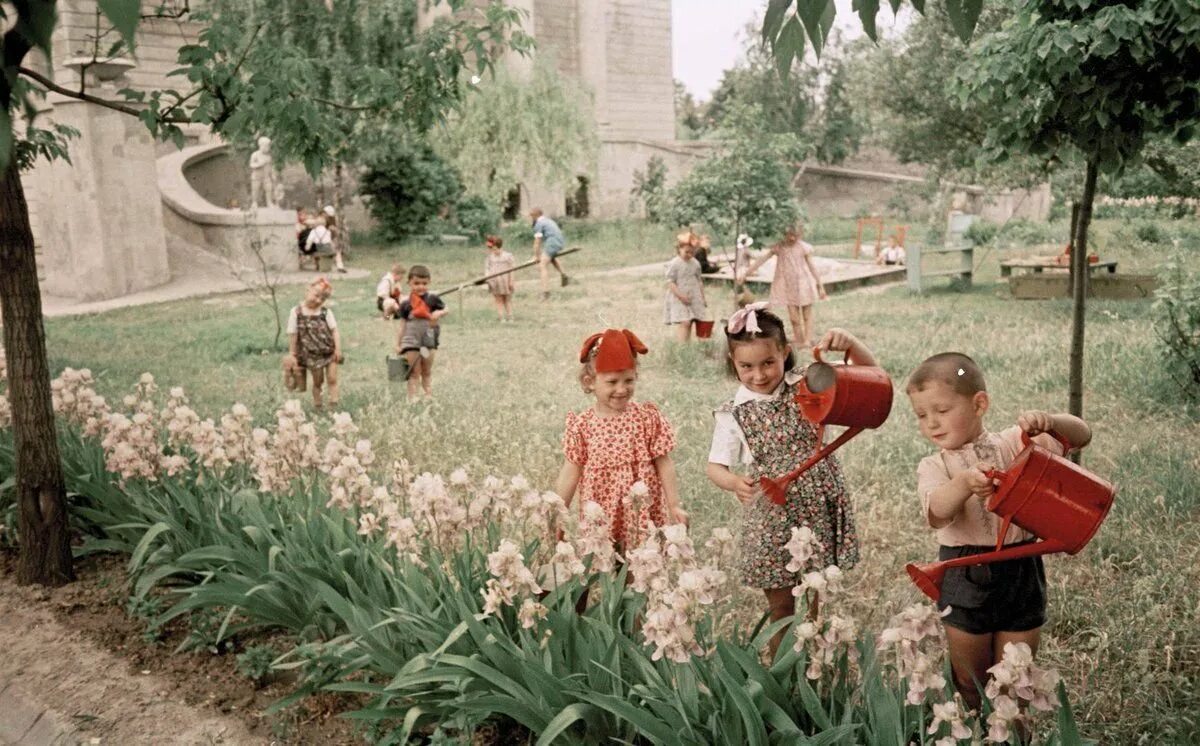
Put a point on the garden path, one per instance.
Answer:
(202, 276)
(57, 687)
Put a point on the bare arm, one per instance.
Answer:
(1075, 430)
(292, 345)
(947, 500)
(840, 340)
(816, 276)
(754, 265)
(337, 345)
(745, 488)
(537, 247)
(672, 507)
(671, 286)
(568, 481)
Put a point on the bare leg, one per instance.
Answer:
(498, 300)
(806, 316)
(799, 338)
(414, 359)
(508, 307)
(427, 374)
(318, 380)
(970, 658)
(544, 270)
(683, 331)
(781, 605)
(331, 376)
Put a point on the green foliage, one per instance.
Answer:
(509, 130)
(1148, 231)
(747, 186)
(981, 232)
(1177, 307)
(786, 102)
(691, 118)
(256, 662)
(409, 187)
(650, 189)
(1165, 169)
(325, 86)
(1096, 80)
(840, 133)
(476, 216)
(784, 29)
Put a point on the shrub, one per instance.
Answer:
(1178, 324)
(650, 189)
(1148, 231)
(409, 187)
(981, 232)
(477, 217)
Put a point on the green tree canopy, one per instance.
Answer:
(747, 186)
(510, 129)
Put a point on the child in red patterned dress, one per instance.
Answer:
(618, 443)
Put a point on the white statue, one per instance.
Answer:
(262, 175)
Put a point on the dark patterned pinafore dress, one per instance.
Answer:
(780, 439)
(314, 340)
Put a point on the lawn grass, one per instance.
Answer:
(1124, 630)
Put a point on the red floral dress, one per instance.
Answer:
(616, 451)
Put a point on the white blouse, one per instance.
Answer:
(729, 446)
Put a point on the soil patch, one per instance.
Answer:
(75, 651)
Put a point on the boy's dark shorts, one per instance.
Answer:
(1007, 596)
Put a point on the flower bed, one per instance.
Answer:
(451, 602)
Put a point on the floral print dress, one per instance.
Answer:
(615, 452)
(780, 439)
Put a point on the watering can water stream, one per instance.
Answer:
(855, 396)
(1056, 500)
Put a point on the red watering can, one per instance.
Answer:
(855, 396)
(1054, 499)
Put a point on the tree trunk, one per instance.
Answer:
(1079, 252)
(342, 237)
(45, 556)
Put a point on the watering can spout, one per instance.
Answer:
(928, 577)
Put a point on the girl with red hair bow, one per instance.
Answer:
(618, 451)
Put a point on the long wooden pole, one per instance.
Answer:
(485, 278)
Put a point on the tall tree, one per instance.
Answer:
(1093, 79)
(243, 82)
(839, 134)
(512, 128)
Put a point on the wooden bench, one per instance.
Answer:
(316, 258)
(1039, 264)
(917, 274)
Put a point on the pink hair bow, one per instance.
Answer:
(746, 318)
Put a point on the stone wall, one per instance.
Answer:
(640, 90)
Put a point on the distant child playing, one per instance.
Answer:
(796, 284)
(760, 432)
(684, 301)
(388, 292)
(314, 342)
(418, 336)
(498, 260)
(1002, 602)
(618, 442)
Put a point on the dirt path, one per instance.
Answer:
(58, 687)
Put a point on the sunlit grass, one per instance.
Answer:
(1124, 619)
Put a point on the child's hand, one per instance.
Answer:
(978, 482)
(747, 490)
(821, 292)
(1035, 422)
(837, 340)
(679, 515)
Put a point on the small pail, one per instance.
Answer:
(397, 368)
(703, 329)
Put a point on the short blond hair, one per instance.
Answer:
(956, 370)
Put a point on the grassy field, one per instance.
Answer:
(1124, 629)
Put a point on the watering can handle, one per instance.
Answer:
(816, 353)
(1066, 444)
